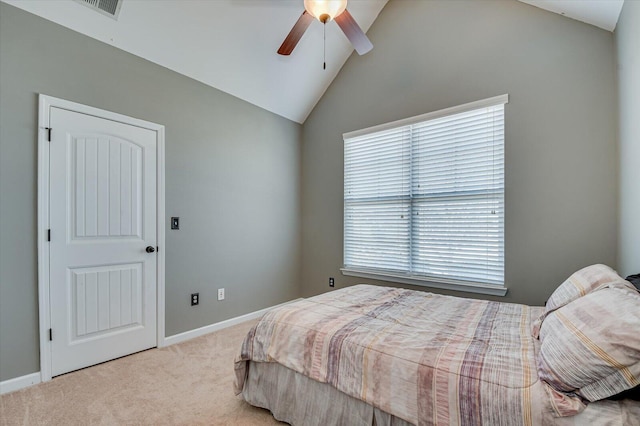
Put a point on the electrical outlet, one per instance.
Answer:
(221, 294)
(332, 282)
(195, 299)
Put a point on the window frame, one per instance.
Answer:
(416, 279)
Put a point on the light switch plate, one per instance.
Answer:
(175, 223)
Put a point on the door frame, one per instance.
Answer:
(45, 104)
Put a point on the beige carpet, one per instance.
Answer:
(190, 383)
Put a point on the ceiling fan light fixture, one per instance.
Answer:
(325, 10)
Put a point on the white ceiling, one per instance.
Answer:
(601, 13)
(228, 44)
(231, 44)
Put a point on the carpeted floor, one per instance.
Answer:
(190, 383)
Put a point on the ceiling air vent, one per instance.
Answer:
(106, 7)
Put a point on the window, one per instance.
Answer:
(424, 199)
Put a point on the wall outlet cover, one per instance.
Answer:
(221, 294)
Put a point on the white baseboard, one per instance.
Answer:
(22, 382)
(191, 334)
(19, 383)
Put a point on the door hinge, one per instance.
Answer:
(48, 234)
(50, 334)
(48, 129)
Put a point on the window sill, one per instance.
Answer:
(491, 289)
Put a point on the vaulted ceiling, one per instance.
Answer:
(231, 44)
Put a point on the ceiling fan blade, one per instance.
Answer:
(354, 33)
(296, 34)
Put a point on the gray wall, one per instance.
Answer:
(627, 38)
(227, 162)
(560, 147)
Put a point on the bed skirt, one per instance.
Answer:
(298, 400)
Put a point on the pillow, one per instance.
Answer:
(580, 283)
(591, 346)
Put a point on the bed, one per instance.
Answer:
(371, 355)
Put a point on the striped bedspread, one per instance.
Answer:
(426, 358)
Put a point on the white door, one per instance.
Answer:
(102, 216)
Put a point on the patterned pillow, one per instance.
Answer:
(580, 283)
(591, 346)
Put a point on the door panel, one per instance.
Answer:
(102, 217)
(105, 299)
(106, 187)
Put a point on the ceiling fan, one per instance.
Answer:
(325, 11)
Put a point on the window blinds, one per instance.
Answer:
(425, 198)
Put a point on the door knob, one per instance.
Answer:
(150, 249)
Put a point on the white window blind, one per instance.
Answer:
(424, 197)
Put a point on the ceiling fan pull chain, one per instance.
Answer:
(324, 45)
